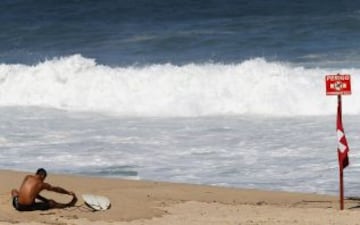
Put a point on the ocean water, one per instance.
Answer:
(228, 93)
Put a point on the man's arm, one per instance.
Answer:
(60, 190)
(54, 204)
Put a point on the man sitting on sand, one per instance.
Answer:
(28, 197)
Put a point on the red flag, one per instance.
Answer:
(343, 147)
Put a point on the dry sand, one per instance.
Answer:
(159, 203)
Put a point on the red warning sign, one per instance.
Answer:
(338, 84)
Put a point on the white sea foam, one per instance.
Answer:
(283, 153)
(252, 87)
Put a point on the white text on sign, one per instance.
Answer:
(338, 84)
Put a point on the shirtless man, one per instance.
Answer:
(27, 198)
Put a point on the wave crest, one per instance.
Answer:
(254, 86)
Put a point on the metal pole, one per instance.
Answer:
(341, 173)
(341, 189)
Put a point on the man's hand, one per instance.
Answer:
(73, 201)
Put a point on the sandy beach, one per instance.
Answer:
(147, 202)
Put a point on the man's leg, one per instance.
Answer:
(56, 205)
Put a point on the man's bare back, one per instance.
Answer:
(28, 197)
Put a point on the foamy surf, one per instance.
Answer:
(255, 86)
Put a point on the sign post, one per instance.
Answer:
(340, 85)
(341, 167)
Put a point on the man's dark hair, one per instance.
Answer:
(41, 171)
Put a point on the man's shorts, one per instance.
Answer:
(32, 207)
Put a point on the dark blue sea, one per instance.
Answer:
(127, 32)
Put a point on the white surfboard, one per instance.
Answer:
(96, 202)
